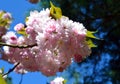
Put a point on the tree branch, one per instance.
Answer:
(10, 70)
(17, 46)
(21, 79)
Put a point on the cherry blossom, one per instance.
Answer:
(5, 20)
(57, 42)
(58, 80)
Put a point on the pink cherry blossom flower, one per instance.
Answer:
(19, 27)
(57, 80)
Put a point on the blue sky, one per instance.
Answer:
(19, 9)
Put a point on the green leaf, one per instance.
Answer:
(90, 34)
(4, 22)
(22, 32)
(55, 12)
(1, 14)
(90, 43)
(2, 81)
(64, 82)
(2, 69)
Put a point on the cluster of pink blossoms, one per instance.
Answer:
(5, 20)
(57, 42)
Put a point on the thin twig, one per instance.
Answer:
(21, 79)
(17, 46)
(10, 70)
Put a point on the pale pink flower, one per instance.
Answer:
(57, 80)
(10, 38)
(29, 30)
(7, 16)
(19, 27)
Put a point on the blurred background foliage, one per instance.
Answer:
(103, 66)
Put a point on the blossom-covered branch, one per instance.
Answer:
(49, 42)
